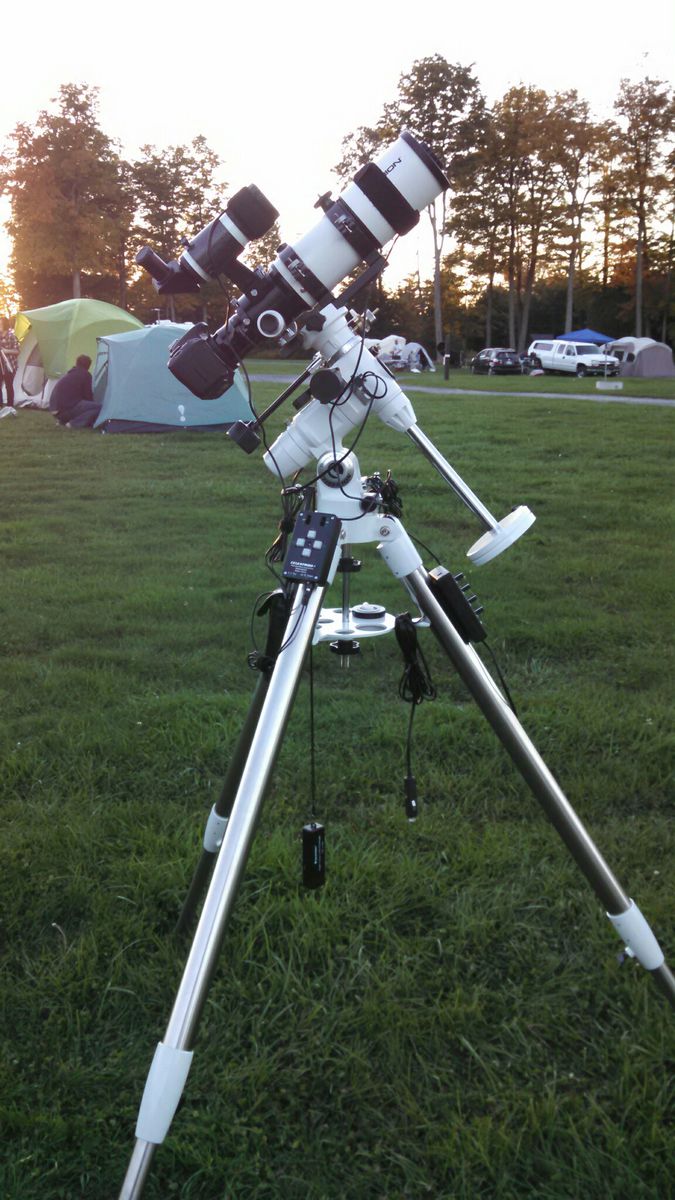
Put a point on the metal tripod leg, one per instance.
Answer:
(171, 1063)
(621, 910)
(278, 610)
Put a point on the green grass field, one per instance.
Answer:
(447, 1018)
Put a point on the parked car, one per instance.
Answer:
(573, 358)
(496, 361)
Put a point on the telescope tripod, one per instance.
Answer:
(297, 621)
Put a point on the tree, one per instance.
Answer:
(580, 142)
(440, 103)
(9, 301)
(477, 222)
(646, 111)
(176, 195)
(607, 204)
(63, 182)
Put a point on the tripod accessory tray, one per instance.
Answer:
(312, 548)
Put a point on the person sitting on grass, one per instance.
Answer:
(72, 398)
(6, 381)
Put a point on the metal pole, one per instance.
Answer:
(172, 1058)
(223, 807)
(451, 477)
(506, 725)
(278, 610)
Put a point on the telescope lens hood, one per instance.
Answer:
(252, 212)
(431, 161)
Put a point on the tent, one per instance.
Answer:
(417, 358)
(399, 355)
(584, 335)
(644, 357)
(138, 393)
(51, 339)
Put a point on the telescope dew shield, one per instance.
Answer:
(384, 199)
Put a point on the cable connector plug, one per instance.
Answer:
(411, 798)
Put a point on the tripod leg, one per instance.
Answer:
(621, 910)
(171, 1063)
(278, 610)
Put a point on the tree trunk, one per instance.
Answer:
(438, 304)
(438, 314)
(512, 288)
(605, 251)
(669, 283)
(525, 312)
(638, 283)
(488, 311)
(122, 278)
(569, 302)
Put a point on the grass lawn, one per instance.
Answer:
(447, 1018)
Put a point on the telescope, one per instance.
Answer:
(343, 510)
(295, 296)
(384, 199)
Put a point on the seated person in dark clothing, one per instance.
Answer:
(6, 380)
(72, 398)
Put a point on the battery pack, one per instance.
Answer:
(313, 855)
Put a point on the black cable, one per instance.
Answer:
(419, 542)
(415, 684)
(414, 687)
(501, 678)
(312, 739)
(307, 590)
(289, 509)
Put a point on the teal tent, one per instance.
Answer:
(138, 393)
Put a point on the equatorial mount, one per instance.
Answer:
(347, 383)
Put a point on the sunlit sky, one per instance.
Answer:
(275, 87)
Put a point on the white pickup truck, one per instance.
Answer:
(574, 358)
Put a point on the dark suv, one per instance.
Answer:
(496, 361)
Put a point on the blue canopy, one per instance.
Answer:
(585, 335)
(138, 393)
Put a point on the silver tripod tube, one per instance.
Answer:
(171, 1064)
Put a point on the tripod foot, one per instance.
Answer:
(502, 536)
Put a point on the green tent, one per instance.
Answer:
(66, 330)
(52, 338)
(138, 393)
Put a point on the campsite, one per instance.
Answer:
(454, 984)
(336, 687)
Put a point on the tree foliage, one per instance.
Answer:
(176, 194)
(440, 103)
(544, 202)
(63, 179)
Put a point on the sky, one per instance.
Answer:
(275, 87)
